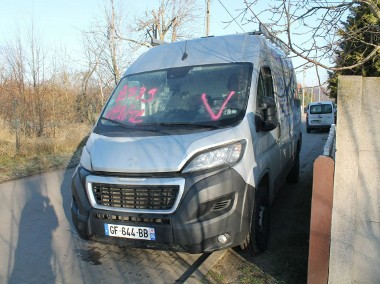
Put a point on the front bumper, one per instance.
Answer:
(319, 126)
(211, 204)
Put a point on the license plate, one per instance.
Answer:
(316, 121)
(130, 232)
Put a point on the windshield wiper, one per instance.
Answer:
(132, 127)
(115, 122)
(155, 125)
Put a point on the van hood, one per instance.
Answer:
(154, 154)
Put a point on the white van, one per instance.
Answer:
(320, 115)
(191, 148)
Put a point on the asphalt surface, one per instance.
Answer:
(39, 245)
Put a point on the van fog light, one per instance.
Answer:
(223, 238)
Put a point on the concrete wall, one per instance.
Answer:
(355, 231)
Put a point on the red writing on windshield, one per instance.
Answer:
(136, 93)
(210, 111)
(120, 113)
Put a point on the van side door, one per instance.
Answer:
(282, 89)
(267, 145)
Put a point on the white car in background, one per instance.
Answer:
(320, 115)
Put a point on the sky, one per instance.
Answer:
(60, 22)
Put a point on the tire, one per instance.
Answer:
(307, 125)
(83, 236)
(258, 237)
(294, 173)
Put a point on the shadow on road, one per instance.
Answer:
(34, 246)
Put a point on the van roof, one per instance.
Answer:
(246, 47)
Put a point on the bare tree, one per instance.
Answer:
(104, 50)
(111, 43)
(37, 65)
(105, 56)
(310, 29)
(14, 94)
(172, 20)
(34, 86)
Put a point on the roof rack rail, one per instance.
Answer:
(263, 30)
(255, 33)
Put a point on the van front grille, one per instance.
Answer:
(145, 197)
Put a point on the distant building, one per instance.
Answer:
(314, 94)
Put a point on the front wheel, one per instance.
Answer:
(257, 239)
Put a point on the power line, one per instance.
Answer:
(233, 18)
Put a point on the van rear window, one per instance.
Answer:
(321, 109)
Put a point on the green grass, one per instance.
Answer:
(214, 277)
(250, 274)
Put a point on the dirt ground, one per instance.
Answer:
(285, 260)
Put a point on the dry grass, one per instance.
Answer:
(40, 154)
(232, 268)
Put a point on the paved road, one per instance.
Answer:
(38, 243)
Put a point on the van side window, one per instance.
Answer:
(265, 84)
(268, 80)
(266, 112)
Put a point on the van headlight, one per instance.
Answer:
(225, 156)
(85, 159)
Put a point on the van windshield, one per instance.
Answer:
(192, 97)
(320, 109)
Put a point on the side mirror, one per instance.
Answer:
(266, 116)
